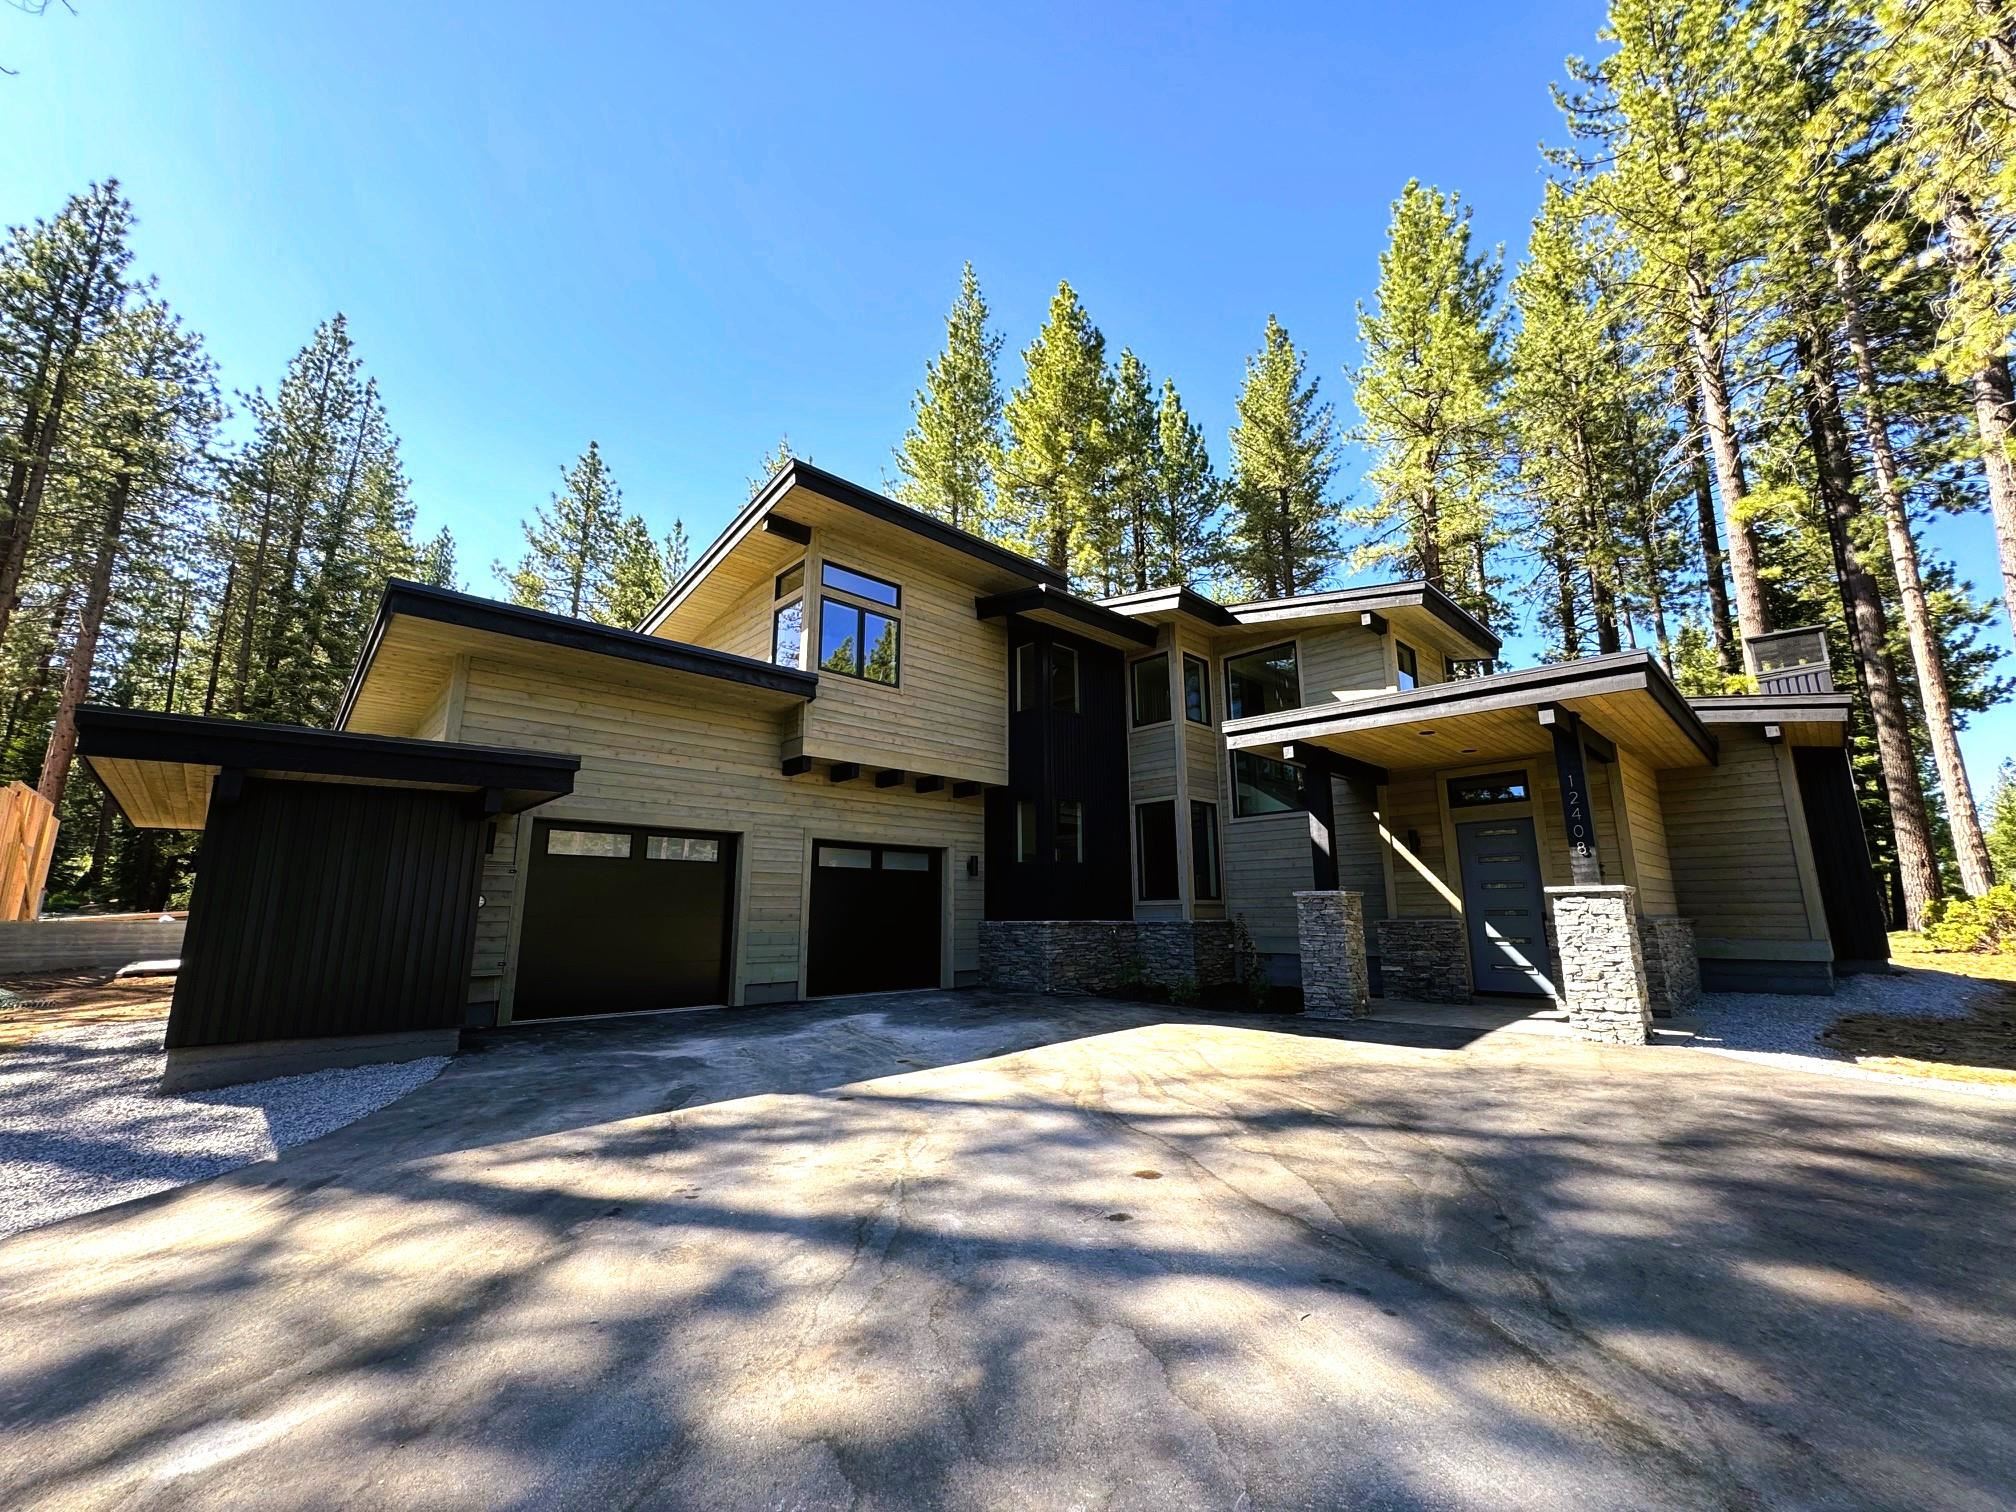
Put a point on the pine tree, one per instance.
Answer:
(771, 462)
(1053, 473)
(678, 551)
(1187, 543)
(1284, 534)
(638, 576)
(1127, 518)
(947, 460)
(572, 545)
(1427, 390)
(2002, 819)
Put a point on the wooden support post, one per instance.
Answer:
(1578, 819)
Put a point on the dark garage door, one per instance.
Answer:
(875, 918)
(619, 919)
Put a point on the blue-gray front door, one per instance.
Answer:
(1503, 905)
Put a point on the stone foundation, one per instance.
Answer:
(1426, 960)
(1335, 983)
(1105, 955)
(1602, 981)
(1672, 973)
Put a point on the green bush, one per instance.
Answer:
(1986, 924)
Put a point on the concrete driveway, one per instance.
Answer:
(987, 1251)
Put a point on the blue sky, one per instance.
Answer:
(683, 231)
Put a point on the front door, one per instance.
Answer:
(1504, 905)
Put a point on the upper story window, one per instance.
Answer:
(860, 585)
(1151, 689)
(791, 580)
(1262, 785)
(1196, 690)
(787, 625)
(1027, 676)
(1064, 679)
(1407, 665)
(1262, 682)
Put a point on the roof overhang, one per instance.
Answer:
(159, 768)
(1803, 719)
(1436, 607)
(1063, 611)
(1158, 606)
(420, 629)
(1625, 698)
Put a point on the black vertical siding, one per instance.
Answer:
(327, 908)
(1848, 887)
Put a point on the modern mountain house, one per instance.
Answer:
(857, 750)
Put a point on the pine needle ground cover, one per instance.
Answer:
(1980, 1047)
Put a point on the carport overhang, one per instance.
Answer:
(163, 769)
(1625, 699)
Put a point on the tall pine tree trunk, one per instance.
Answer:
(220, 634)
(84, 652)
(1994, 399)
(1711, 383)
(1713, 565)
(1970, 846)
(1868, 633)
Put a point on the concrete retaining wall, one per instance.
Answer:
(102, 943)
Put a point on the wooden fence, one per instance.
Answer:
(27, 841)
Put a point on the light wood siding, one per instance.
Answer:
(1550, 829)
(1342, 664)
(1645, 819)
(649, 758)
(1267, 861)
(1356, 837)
(745, 629)
(1736, 871)
(1410, 802)
(497, 902)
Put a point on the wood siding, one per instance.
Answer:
(1735, 859)
(1267, 861)
(1646, 821)
(1342, 664)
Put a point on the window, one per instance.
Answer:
(1262, 682)
(1203, 851)
(1070, 830)
(1408, 665)
(787, 635)
(906, 860)
(1196, 690)
(857, 642)
(1064, 679)
(790, 580)
(600, 843)
(1155, 834)
(1151, 690)
(1026, 691)
(833, 575)
(1262, 785)
(847, 857)
(681, 848)
(1025, 830)
(1494, 787)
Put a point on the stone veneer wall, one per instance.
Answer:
(1426, 960)
(1097, 955)
(1672, 971)
(1335, 983)
(1602, 981)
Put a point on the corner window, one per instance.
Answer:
(1262, 785)
(862, 586)
(857, 642)
(1026, 691)
(1262, 682)
(1196, 690)
(1155, 844)
(1151, 690)
(1064, 679)
(1493, 788)
(787, 635)
(1407, 664)
(1204, 851)
(1070, 830)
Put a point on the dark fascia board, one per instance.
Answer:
(1773, 708)
(1178, 600)
(246, 745)
(466, 610)
(1415, 595)
(1619, 672)
(800, 474)
(1084, 611)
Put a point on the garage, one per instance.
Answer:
(877, 918)
(621, 919)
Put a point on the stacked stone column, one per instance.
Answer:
(1335, 982)
(1602, 981)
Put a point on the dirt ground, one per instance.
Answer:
(1978, 1048)
(33, 1005)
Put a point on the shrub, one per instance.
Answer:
(1986, 924)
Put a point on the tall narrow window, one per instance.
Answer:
(1196, 690)
(1070, 830)
(1025, 829)
(1064, 679)
(1204, 851)
(1151, 690)
(1262, 682)
(1407, 665)
(1155, 843)
(1026, 674)
(787, 635)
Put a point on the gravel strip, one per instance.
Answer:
(82, 1125)
(1784, 1030)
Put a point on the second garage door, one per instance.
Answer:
(876, 918)
(620, 919)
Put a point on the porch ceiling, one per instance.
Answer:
(1625, 698)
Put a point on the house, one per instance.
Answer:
(855, 749)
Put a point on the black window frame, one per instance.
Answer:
(1026, 807)
(1134, 691)
(1512, 777)
(859, 670)
(1406, 666)
(826, 584)
(1024, 690)
(1077, 830)
(1142, 857)
(777, 588)
(777, 623)
(1302, 787)
(1202, 668)
(1077, 703)
(1204, 821)
(1232, 707)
